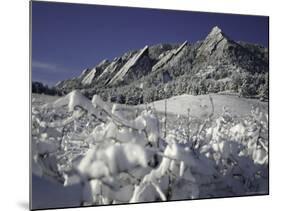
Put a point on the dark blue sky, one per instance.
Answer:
(67, 38)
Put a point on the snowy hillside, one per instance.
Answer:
(200, 106)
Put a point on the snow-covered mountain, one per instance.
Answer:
(217, 60)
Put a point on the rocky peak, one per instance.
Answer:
(171, 54)
(133, 61)
(90, 74)
(216, 39)
(216, 32)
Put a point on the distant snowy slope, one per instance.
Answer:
(200, 105)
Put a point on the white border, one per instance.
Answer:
(14, 128)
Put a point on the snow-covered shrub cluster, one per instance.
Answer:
(118, 156)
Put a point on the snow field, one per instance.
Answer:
(119, 158)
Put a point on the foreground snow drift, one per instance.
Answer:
(117, 157)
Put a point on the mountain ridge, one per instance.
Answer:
(215, 58)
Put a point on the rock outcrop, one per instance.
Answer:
(131, 67)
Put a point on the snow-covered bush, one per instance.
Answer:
(120, 157)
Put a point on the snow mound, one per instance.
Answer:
(72, 100)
